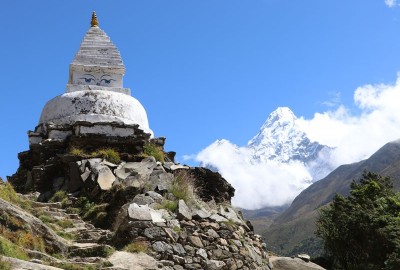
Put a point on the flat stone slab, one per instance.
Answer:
(133, 261)
(287, 263)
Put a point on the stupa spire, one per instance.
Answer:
(94, 22)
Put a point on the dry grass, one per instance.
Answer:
(150, 149)
(136, 247)
(183, 187)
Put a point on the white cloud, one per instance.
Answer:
(390, 3)
(256, 185)
(355, 136)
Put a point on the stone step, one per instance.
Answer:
(42, 204)
(89, 250)
(95, 235)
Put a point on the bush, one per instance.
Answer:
(362, 231)
(136, 247)
(150, 149)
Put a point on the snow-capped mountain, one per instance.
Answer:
(274, 167)
(280, 139)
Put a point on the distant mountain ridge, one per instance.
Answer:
(293, 230)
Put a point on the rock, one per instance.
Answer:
(183, 211)
(109, 164)
(155, 196)
(200, 214)
(75, 182)
(133, 261)
(58, 183)
(94, 161)
(104, 177)
(160, 181)
(215, 265)
(304, 257)
(139, 212)
(162, 247)
(85, 175)
(154, 233)
(157, 216)
(287, 263)
(18, 264)
(202, 253)
(196, 241)
(212, 186)
(230, 214)
(142, 199)
(172, 234)
(218, 218)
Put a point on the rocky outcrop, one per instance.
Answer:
(34, 225)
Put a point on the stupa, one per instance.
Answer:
(95, 101)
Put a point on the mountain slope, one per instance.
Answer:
(293, 230)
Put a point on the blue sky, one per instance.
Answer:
(204, 70)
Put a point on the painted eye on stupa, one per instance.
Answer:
(106, 81)
(88, 80)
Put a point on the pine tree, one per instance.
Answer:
(362, 231)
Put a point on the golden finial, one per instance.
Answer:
(94, 22)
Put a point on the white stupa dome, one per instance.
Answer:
(95, 92)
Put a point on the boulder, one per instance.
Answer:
(139, 212)
(104, 177)
(287, 263)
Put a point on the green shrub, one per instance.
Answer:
(136, 247)
(7, 248)
(109, 154)
(150, 149)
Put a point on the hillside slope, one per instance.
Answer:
(293, 230)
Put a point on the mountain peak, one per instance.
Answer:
(281, 116)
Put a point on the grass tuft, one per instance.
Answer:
(7, 248)
(150, 149)
(109, 154)
(182, 187)
(136, 247)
